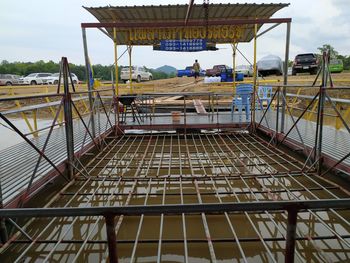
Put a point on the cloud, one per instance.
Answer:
(42, 30)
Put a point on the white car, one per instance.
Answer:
(245, 69)
(53, 79)
(270, 65)
(35, 79)
(137, 73)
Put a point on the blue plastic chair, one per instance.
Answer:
(264, 94)
(242, 99)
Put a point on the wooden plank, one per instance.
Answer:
(199, 107)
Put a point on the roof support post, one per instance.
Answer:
(116, 61)
(130, 68)
(285, 77)
(90, 88)
(255, 78)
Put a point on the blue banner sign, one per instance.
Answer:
(184, 45)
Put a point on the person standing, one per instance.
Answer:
(196, 69)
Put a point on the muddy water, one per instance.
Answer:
(191, 235)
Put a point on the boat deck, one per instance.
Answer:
(190, 169)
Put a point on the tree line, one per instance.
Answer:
(335, 54)
(100, 71)
(104, 72)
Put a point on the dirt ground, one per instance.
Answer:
(184, 84)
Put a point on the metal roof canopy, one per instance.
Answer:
(237, 21)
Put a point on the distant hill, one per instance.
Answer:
(166, 69)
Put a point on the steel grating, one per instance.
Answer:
(190, 169)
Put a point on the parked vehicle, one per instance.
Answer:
(187, 72)
(8, 80)
(216, 70)
(305, 63)
(53, 79)
(35, 79)
(137, 73)
(270, 65)
(247, 70)
(336, 65)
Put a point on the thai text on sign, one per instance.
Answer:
(214, 32)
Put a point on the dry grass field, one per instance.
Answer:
(184, 84)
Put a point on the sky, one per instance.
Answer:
(47, 30)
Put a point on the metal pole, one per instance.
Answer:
(116, 61)
(90, 88)
(234, 66)
(277, 113)
(130, 69)
(115, 108)
(255, 78)
(68, 117)
(321, 110)
(3, 230)
(285, 77)
(291, 233)
(111, 238)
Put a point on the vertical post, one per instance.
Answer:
(3, 230)
(111, 238)
(234, 66)
(90, 88)
(255, 78)
(185, 110)
(35, 120)
(285, 77)
(291, 233)
(321, 110)
(115, 108)
(68, 118)
(277, 113)
(130, 69)
(116, 61)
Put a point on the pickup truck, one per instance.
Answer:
(188, 72)
(305, 63)
(216, 70)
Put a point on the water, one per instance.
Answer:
(141, 158)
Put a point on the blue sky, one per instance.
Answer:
(47, 30)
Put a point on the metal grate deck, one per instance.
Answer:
(189, 169)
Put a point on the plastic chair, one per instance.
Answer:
(264, 94)
(242, 99)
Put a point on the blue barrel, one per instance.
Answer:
(239, 76)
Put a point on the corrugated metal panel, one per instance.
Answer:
(178, 12)
(168, 13)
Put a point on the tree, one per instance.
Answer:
(346, 61)
(100, 71)
(326, 47)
